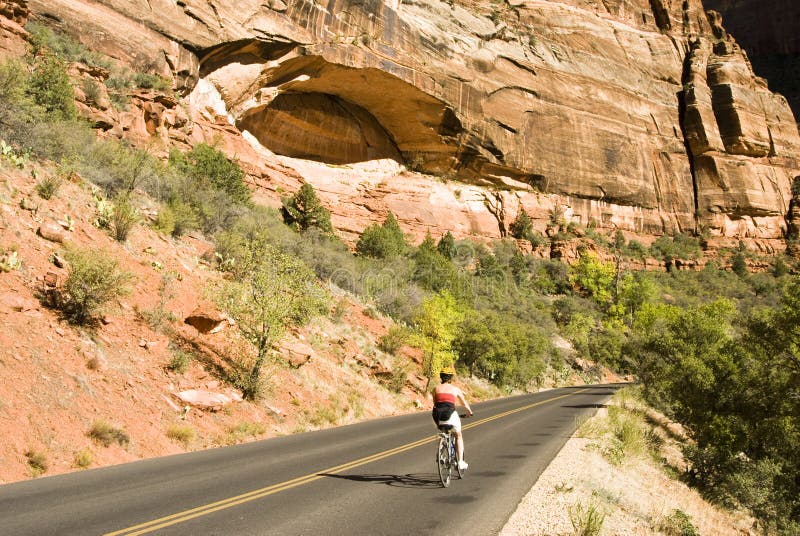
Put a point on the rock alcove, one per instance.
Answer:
(308, 107)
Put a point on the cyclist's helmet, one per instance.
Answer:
(447, 372)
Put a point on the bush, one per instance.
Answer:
(165, 220)
(151, 81)
(304, 210)
(51, 88)
(393, 340)
(382, 241)
(586, 520)
(48, 186)
(94, 279)
(522, 226)
(83, 459)
(182, 433)
(677, 523)
(180, 361)
(37, 461)
(105, 434)
(210, 169)
(184, 218)
(241, 432)
(123, 218)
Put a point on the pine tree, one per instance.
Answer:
(304, 210)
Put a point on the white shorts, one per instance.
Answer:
(454, 421)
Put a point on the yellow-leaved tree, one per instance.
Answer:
(436, 324)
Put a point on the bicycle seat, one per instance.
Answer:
(445, 427)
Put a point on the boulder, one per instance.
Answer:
(207, 319)
(207, 399)
(17, 303)
(296, 353)
(53, 232)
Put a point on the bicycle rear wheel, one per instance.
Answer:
(443, 462)
(458, 468)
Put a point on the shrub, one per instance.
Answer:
(184, 218)
(241, 432)
(151, 81)
(48, 186)
(91, 89)
(304, 210)
(677, 523)
(43, 39)
(83, 459)
(382, 241)
(123, 217)
(522, 226)
(182, 433)
(586, 520)
(180, 361)
(13, 81)
(210, 168)
(399, 376)
(105, 434)
(393, 340)
(37, 462)
(94, 279)
(165, 220)
(51, 88)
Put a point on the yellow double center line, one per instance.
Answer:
(206, 509)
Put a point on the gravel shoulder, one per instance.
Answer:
(634, 497)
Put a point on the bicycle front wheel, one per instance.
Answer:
(443, 462)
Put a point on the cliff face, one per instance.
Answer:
(634, 114)
(768, 31)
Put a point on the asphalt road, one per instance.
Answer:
(373, 478)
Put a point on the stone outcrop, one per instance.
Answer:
(767, 30)
(641, 115)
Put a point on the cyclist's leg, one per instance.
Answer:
(455, 420)
(459, 445)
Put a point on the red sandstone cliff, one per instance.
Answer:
(639, 115)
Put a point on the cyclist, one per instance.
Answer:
(445, 397)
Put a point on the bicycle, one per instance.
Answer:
(446, 456)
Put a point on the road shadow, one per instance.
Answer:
(429, 480)
(586, 406)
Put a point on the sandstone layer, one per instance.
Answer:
(768, 31)
(640, 115)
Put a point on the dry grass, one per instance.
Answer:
(37, 461)
(182, 433)
(83, 459)
(241, 432)
(106, 434)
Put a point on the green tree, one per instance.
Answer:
(304, 210)
(447, 245)
(522, 226)
(276, 292)
(436, 323)
(210, 168)
(739, 264)
(382, 241)
(50, 87)
(432, 270)
(509, 354)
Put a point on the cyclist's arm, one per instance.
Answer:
(464, 402)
